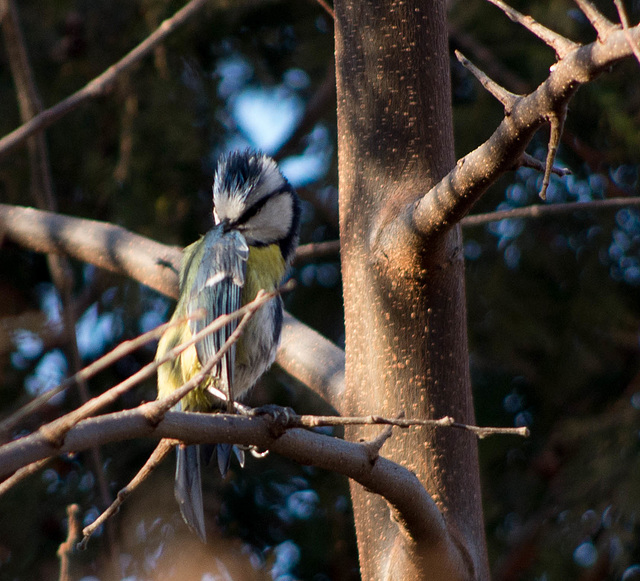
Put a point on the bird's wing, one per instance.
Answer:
(217, 287)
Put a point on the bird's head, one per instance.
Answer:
(251, 195)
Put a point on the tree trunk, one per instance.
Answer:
(406, 337)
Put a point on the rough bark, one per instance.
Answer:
(406, 338)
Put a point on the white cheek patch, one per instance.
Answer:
(272, 222)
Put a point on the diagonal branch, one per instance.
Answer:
(103, 83)
(563, 46)
(157, 456)
(304, 354)
(452, 198)
(624, 20)
(599, 21)
(507, 98)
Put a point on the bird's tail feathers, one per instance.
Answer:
(223, 453)
(188, 488)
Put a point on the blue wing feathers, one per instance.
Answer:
(218, 288)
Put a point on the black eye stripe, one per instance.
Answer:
(253, 210)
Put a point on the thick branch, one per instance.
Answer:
(452, 198)
(418, 513)
(305, 354)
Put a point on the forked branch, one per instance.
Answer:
(452, 198)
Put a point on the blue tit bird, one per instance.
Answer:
(256, 217)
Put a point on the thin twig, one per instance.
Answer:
(534, 163)
(306, 421)
(557, 123)
(22, 473)
(66, 549)
(315, 250)
(327, 8)
(101, 84)
(55, 431)
(507, 98)
(157, 456)
(624, 20)
(155, 411)
(43, 193)
(557, 42)
(123, 349)
(602, 25)
(544, 210)
(490, 64)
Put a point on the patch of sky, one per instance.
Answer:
(50, 303)
(512, 256)
(49, 373)
(267, 115)
(287, 556)
(631, 573)
(625, 177)
(621, 255)
(233, 73)
(29, 346)
(263, 117)
(95, 331)
(472, 250)
(297, 79)
(313, 163)
(585, 555)
(89, 516)
(303, 503)
(156, 313)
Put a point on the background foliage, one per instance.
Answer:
(553, 303)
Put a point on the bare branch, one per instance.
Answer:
(161, 451)
(602, 25)
(105, 245)
(42, 191)
(55, 431)
(103, 83)
(557, 123)
(451, 199)
(563, 46)
(66, 549)
(21, 474)
(315, 250)
(505, 97)
(303, 353)
(546, 210)
(534, 163)
(327, 8)
(416, 511)
(445, 422)
(490, 63)
(624, 20)
(123, 349)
